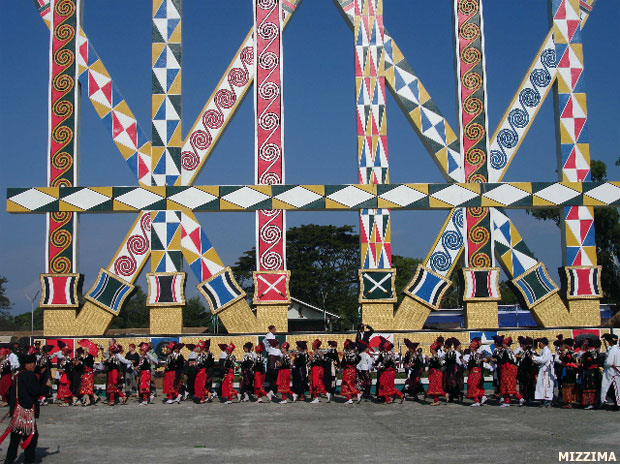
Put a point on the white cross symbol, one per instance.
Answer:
(377, 284)
(271, 286)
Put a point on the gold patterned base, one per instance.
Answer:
(166, 320)
(239, 318)
(267, 315)
(551, 312)
(481, 314)
(411, 315)
(59, 322)
(92, 320)
(378, 315)
(586, 312)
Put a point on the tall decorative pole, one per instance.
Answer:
(482, 294)
(582, 275)
(377, 293)
(62, 167)
(271, 292)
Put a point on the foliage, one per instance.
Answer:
(5, 303)
(405, 268)
(606, 233)
(134, 312)
(195, 313)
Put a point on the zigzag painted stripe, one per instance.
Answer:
(516, 195)
(222, 105)
(110, 105)
(435, 132)
(523, 108)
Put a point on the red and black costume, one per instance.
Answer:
(507, 364)
(173, 372)
(331, 364)
(475, 380)
(453, 372)
(300, 370)
(348, 387)
(569, 376)
(43, 370)
(284, 374)
(228, 369)
(435, 377)
(247, 372)
(317, 375)
(591, 362)
(88, 376)
(114, 381)
(65, 367)
(259, 372)
(386, 362)
(527, 371)
(205, 363)
(144, 374)
(414, 367)
(6, 379)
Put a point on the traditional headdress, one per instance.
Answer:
(316, 344)
(248, 346)
(144, 346)
(285, 345)
(409, 344)
(332, 343)
(230, 347)
(498, 340)
(273, 342)
(171, 345)
(260, 347)
(508, 341)
(301, 344)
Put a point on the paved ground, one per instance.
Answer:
(329, 433)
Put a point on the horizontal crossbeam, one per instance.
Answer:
(313, 197)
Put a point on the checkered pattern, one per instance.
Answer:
(166, 94)
(372, 129)
(571, 111)
(166, 241)
(436, 134)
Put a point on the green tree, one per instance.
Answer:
(195, 314)
(134, 312)
(606, 233)
(5, 303)
(405, 267)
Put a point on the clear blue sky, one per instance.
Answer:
(320, 134)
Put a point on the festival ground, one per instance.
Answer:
(327, 433)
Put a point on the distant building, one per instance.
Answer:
(303, 317)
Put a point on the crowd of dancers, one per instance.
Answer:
(528, 372)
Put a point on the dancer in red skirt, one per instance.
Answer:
(204, 365)
(87, 388)
(284, 374)
(317, 387)
(145, 362)
(6, 377)
(387, 363)
(435, 378)
(505, 358)
(350, 358)
(259, 373)
(65, 367)
(173, 373)
(114, 384)
(475, 382)
(229, 364)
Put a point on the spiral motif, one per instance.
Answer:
(61, 217)
(213, 119)
(457, 218)
(477, 211)
(471, 55)
(269, 152)
(440, 261)
(479, 235)
(225, 98)
(518, 118)
(547, 58)
(62, 134)
(60, 238)
(270, 212)
(475, 156)
(270, 234)
(62, 108)
(60, 265)
(64, 33)
(507, 138)
(474, 132)
(529, 97)
(238, 77)
(471, 81)
(200, 140)
(63, 57)
(268, 90)
(498, 158)
(63, 83)
(480, 260)
(473, 106)
(125, 265)
(468, 7)
(268, 60)
(61, 181)
(137, 244)
(540, 78)
(64, 8)
(268, 31)
(189, 160)
(271, 261)
(247, 56)
(477, 178)
(266, 4)
(452, 240)
(469, 31)
(268, 121)
(62, 160)
(269, 178)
